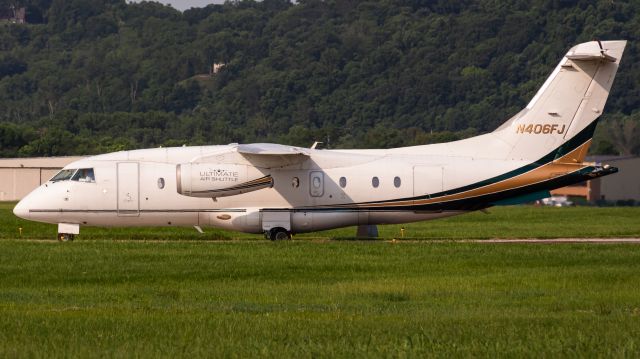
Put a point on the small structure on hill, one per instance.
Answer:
(13, 15)
(215, 68)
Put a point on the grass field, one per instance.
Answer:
(312, 299)
(501, 222)
(304, 298)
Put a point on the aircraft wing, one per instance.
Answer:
(263, 155)
(271, 149)
(269, 155)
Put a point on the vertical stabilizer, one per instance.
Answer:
(563, 113)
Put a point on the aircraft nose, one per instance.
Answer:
(21, 210)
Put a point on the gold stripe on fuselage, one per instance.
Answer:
(577, 155)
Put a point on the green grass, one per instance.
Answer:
(97, 297)
(502, 222)
(317, 299)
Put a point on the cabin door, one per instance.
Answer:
(128, 189)
(427, 180)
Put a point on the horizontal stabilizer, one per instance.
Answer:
(590, 51)
(591, 57)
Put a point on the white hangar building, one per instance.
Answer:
(19, 176)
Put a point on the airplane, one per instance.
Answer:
(282, 190)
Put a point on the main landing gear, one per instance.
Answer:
(277, 234)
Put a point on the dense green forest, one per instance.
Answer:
(91, 76)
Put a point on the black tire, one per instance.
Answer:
(279, 234)
(65, 237)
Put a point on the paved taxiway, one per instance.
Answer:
(561, 240)
(425, 241)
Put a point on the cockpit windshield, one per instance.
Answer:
(80, 175)
(63, 175)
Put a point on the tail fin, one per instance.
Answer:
(562, 116)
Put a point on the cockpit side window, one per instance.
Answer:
(63, 175)
(84, 175)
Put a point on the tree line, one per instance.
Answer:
(91, 76)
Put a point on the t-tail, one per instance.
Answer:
(561, 118)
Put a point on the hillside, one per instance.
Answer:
(90, 76)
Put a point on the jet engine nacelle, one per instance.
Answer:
(219, 180)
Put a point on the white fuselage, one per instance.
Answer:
(139, 188)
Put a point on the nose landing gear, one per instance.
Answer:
(65, 237)
(67, 231)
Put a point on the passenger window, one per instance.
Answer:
(397, 181)
(375, 182)
(161, 183)
(343, 182)
(317, 183)
(84, 175)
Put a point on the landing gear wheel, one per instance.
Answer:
(65, 237)
(279, 234)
